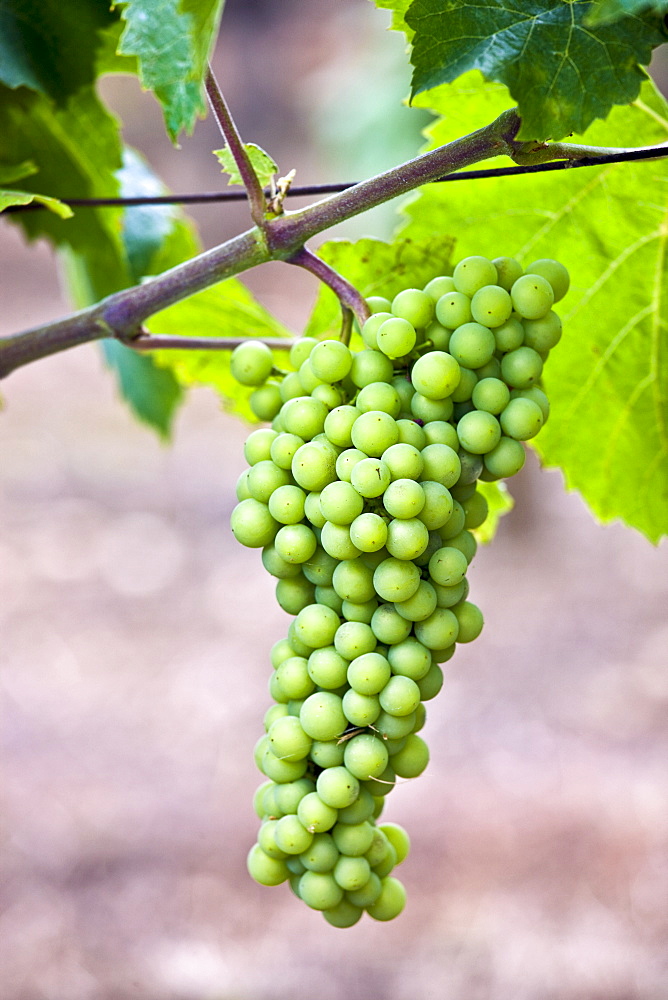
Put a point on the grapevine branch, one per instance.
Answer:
(122, 314)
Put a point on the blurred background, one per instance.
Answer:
(134, 639)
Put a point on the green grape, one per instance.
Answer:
(521, 419)
(370, 477)
(506, 459)
(448, 566)
(294, 593)
(316, 625)
(283, 449)
(286, 504)
(338, 425)
(360, 709)
(319, 569)
(370, 366)
(394, 727)
(258, 445)
(251, 362)
(295, 543)
(521, 368)
(467, 383)
(319, 890)
(509, 336)
(470, 621)
(388, 625)
(404, 388)
(322, 854)
(396, 580)
(266, 401)
(440, 432)
(355, 839)
(264, 869)
(337, 787)
(353, 581)
(399, 839)
(370, 329)
(252, 524)
(407, 538)
(432, 682)
(374, 431)
(473, 273)
(412, 760)
(327, 668)
(410, 659)
(438, 336)
(379, 396)
(490, 395)
(369, 532)
(446, 597)
(396, 337)
(439, 630)
(304, 416)
(277, 566)
(475, 511)
(362, 808)
(312, 509)
(542, 334)
(415, 306)
(365, 756)
(438, 505)
(369, 673)
(420, 605)
(369, 892)
(411, 433)
(508, 271)
(452, 309)
(404, 498)
(478, 431)
(322, 717)
(465, 540)
(400, 696)
(282, 771)
(472, 345)
(439, 286)
(314, 466)
(347, 461)
(354, 638)
(352, 873)
(535, 394)
(359, 611)
(291, 386)
(289, 795)
(344, 914)
(316, 815)
(242, 492)
(435, 375)
(293, 677)
(471, 467)
(330, 360)
(491, 306)
(442, 465)
(335, 540)
(327, 753)
(554, 272)
(378, 303)
(425, 409)
(532, 296)
(340, 502)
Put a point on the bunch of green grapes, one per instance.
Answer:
(362, 495)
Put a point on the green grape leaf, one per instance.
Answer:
(172, 41)
(153, 239)
(377, 268)
(398, 8)
(500, 502)
(227, 309)
(261, 162)
(8, 198)
(607, 380)
(51, 46)
(607, 11)
(562, 72)
(12, 172)
(75, 149)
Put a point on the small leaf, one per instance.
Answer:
(562, 73)
(11, 172)
(8, 198)
(261, 162)
(398, 8)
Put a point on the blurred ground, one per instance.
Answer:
(134, 637)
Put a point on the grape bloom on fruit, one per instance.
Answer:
(364, 496)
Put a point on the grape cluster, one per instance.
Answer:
(363, 495)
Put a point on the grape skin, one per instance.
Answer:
(364, 498)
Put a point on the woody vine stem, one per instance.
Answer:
(273, 237)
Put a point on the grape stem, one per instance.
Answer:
(227, 126)
(122, 315)
(352, 303)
